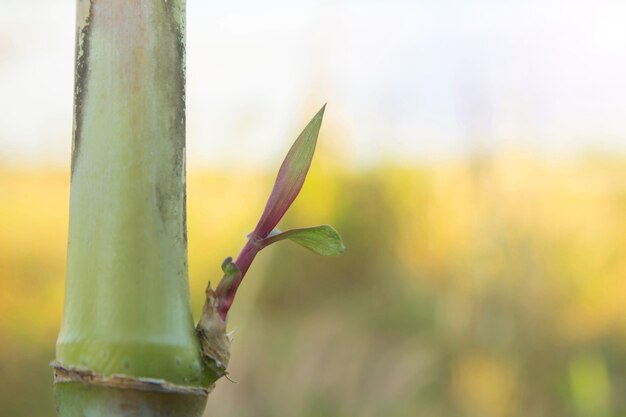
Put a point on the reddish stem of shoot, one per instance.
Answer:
(226, 293)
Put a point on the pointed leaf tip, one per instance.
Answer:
(291, 176)
(323, 240)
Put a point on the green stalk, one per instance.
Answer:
(127, 345)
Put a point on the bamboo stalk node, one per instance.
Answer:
(63, 374)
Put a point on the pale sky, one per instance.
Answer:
(408, 80)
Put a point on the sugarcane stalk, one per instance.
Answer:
(127, 344)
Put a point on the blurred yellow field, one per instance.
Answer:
(493, 287)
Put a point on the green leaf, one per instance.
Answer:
(323, 240)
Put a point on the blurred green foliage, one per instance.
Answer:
(491, 287)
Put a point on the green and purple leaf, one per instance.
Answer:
(290, 177)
